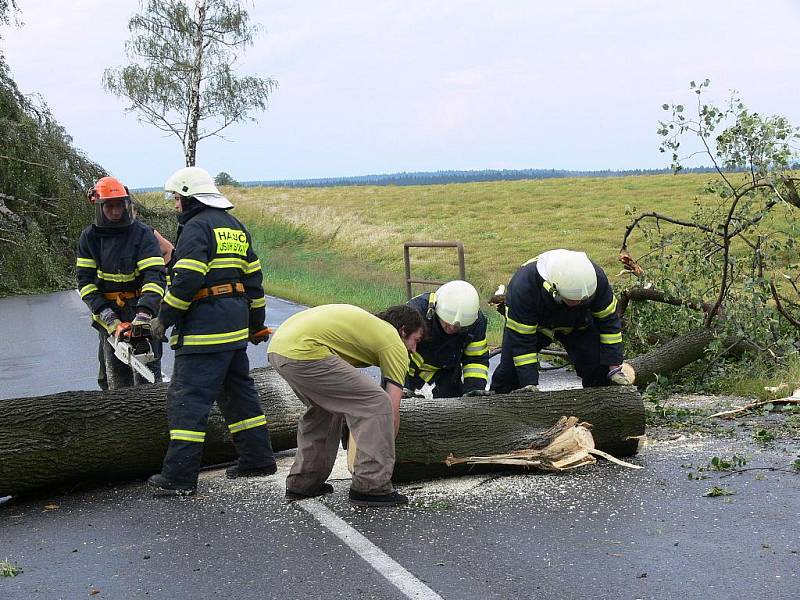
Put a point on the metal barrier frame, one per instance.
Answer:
(432, 244)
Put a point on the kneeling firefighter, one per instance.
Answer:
(121, 275)
(560, 295)
(455, 346)
(216, 304)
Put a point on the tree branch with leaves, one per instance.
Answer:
(740, 231)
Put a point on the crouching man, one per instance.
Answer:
(317, 351)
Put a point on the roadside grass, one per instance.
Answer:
(764, 384)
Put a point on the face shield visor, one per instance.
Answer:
(113, 213)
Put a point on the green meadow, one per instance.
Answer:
(345, 244)
(355, 235)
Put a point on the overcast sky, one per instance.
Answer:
(384, 86)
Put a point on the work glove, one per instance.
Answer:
(472, 393)
(526, 389)
(261, 335)
(157, 329)
(409, 393)
(142, 318)
(618, 377)
(110, 318)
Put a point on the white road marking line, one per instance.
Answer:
(404, 581)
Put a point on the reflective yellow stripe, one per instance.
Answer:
(88, 289)
(99, 321)
(477, 348)
(526, 359)
(229, 263)
(476, 370)
(153, 287)
(86, 263)
(427, 373)
(207, 339)
(176, 302)
(186, 435)
(611, 338)
(152, 261)
(610, 309)
(520, 327)
(191, 265)
(247, 424)
(258, 302)
(118, 277)
(417, 358)
(253, 267)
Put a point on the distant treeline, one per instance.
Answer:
(451, 176)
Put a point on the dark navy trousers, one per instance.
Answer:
(198, 380)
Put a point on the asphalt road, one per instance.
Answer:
(602, 531)
(47, 344)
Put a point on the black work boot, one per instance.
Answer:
(325, 488)
(162, 486)
(394, 498)
(235, 471)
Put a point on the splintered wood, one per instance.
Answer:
(566, 445)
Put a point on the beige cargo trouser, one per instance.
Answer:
(333, 390)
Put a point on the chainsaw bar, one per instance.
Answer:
(126, 352)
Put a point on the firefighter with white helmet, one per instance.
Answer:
(563, 296)
(455, 355)
(215, 305)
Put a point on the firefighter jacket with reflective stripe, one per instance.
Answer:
(125, 259)
(213, 248)
(534, 318)
(466, 349)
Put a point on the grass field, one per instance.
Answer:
(345, 244)
(502, 224)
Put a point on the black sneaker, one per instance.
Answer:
(325, 488)
(234, 471)
(391, 499)
(161, 486)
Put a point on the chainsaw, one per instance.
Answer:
(135, 348)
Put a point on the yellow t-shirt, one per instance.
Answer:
(353, 334)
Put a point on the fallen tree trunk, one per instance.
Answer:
(73, 437)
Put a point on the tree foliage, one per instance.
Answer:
(224, 178)
(721, 263)
(43, 180)
(182, 79)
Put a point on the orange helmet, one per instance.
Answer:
(107, 188)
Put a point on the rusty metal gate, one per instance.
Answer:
(407, 259)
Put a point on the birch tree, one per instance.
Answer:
(182, 76)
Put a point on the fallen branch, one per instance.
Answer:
(654, 295)
(730, 414)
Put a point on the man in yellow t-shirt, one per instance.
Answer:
(317, 351)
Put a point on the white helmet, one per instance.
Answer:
(197, 183)
(571, 274)
(457, 303)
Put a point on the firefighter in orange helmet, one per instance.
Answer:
(120, 271)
